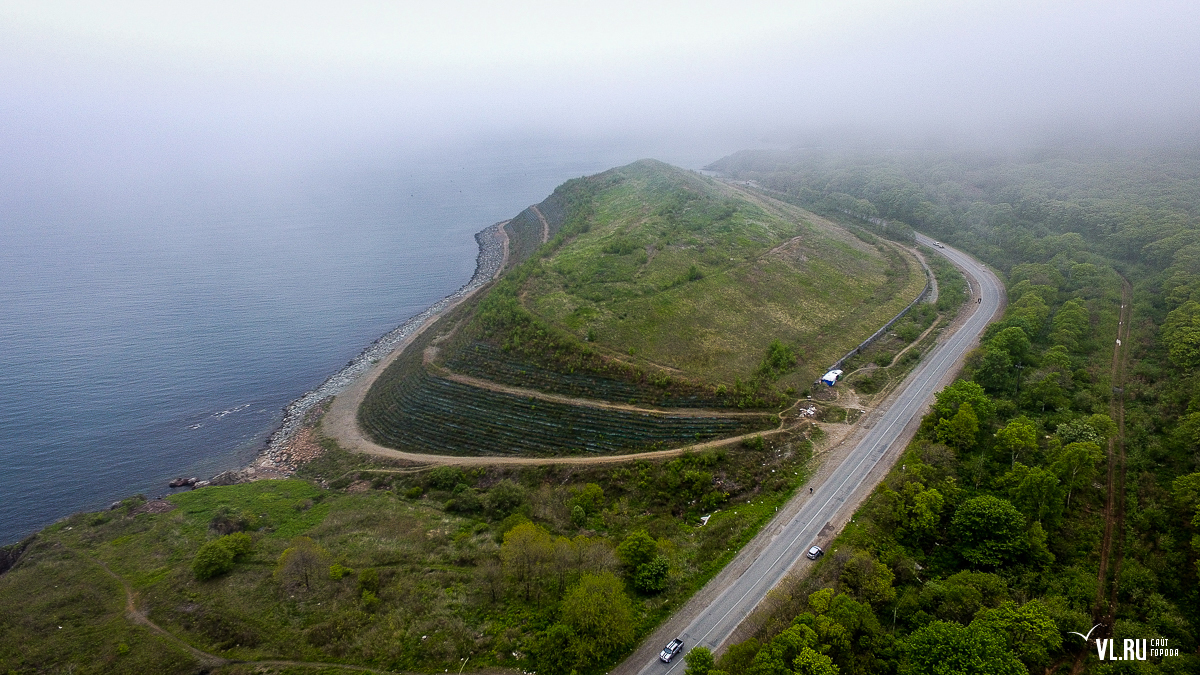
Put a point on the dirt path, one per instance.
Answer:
(586, 402)
(545, 223)
(205, 659)
(135, 615)
(1112, 546)
(340, 423)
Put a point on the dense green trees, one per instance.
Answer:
(699, 661)
(993, 537)
(1181, 335)
(600, 615)
(990, 531)
(948, 648)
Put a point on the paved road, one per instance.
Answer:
(839, 492)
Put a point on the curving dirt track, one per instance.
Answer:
(206, 660)
(341, 422)
(545, 224)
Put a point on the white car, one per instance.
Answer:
(815, 552)
(673, 647)
(938, 244)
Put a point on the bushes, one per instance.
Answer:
(299, 566)
(601, 616)
(228, 521)
(217, 557)
(651, 577)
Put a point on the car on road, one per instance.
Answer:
(938, 244)
(673, 647)
(815, 552)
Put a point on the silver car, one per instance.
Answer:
(815, 552)
(673, 647)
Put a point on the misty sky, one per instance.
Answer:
(133, 84)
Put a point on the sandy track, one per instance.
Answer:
(545, 223)
(588, 402)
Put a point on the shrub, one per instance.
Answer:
(590, 498)
(238, 543)
(600, 614)
(299, 566)
(217, 556)
(368, 581)
(227, 521)
(338, 571)
(213, 559)
(370, 602)
(638, 549)
(504, 498)
(699, 661)
(466, 500)
(445, 477)
(651, 577)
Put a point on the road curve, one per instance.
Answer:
(836, 495)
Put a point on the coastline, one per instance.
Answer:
(281, 456)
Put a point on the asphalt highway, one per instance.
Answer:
(840, 489)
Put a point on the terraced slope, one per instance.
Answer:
(647, 286)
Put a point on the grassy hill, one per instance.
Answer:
(645, 285)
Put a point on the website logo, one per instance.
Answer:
(1130, 649)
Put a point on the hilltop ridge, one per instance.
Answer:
(647, 286)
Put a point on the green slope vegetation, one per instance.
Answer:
(1056, 485)
(656, 287)
(361, 562)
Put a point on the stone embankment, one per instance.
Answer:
(288, 447)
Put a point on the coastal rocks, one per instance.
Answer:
(231, 477)
(9, 555)
(153, 506)
(182, 482)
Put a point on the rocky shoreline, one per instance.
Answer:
(290, 445)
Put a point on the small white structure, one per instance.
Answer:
(831, 377)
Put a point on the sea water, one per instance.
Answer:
(157, 329)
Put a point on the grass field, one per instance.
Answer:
(680, 271)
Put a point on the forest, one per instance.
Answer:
(1046, 516)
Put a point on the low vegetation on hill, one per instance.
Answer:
(655, 287)
(547, 569)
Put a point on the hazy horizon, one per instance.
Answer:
(144, 89)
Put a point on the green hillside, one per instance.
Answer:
(657, 287)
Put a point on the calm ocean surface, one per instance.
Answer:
(154, 330)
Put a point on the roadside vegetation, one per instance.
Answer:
(1053, 487)
(885, 362)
